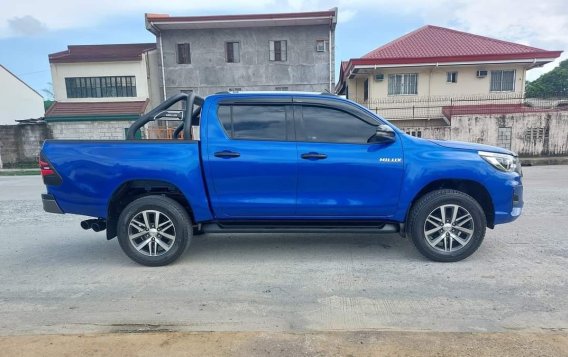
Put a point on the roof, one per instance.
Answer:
(494, 109)
(158, 22)
(101, 109)
(418, 123)
(102, 53)
(439, 42)
(18, 78)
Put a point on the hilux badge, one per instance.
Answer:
(390, 159)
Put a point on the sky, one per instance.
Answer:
(32, 29)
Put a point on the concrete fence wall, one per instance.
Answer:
(90, 130)
(531, 134)
(21, 143)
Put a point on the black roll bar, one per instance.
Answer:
(180, 127)
(190, 100)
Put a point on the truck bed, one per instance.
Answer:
(91, 171)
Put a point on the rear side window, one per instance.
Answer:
(328, 125)
(255, 122)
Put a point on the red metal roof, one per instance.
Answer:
(101, 53)
(494, 109)
(433, 42)
(59, 109)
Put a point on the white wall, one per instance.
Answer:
(138, 69)
(432, 81)
(17, 100)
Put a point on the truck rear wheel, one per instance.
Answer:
(447, 225)
(154, 230)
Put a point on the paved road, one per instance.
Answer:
(57, 278)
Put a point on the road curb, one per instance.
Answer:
(538, 161)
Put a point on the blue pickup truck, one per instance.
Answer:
(280, 162)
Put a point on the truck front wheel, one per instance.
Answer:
(154, 230)
(447, 225)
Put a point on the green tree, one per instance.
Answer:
(551, 84)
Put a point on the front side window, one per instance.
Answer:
(503, 81)
(403, 84)
(278, 51)
(254, 122)
(329, 125)
(183, 53)
(100, 87)
(233, 52)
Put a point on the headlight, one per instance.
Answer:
(502, 162)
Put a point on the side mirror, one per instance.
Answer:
(169, 115)
(384, 135)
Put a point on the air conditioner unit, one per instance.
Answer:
(379, 77)
(481, 74)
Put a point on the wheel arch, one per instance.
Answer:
(473, 188)
(131, 190)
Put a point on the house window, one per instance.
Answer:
(416, 133)
(536, 134)
(183, 53)
(504, 135)
(366, 90)
(452, 77)
(322, 45)
(281, 89)
(502, 81)
(403, 84)
(100, 87)
(278, 51)
(233, 52)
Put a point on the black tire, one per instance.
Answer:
(428, 204)
(173, 211)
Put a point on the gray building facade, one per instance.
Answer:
(262, 52)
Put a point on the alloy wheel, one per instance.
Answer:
(449, 228)
(151, 233)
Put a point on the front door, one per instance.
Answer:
(252, 161)
(339, 174)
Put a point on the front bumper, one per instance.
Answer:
(514, 208)
(49, 204)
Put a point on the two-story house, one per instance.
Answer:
(418, 75)
(100, 89)
(264, 52)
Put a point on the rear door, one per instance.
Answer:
(340, 174)
(252, 159)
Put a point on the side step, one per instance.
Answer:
(300, 227)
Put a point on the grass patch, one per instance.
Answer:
(22, 165)
(19, 173)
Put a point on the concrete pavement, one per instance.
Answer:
(57, 278)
